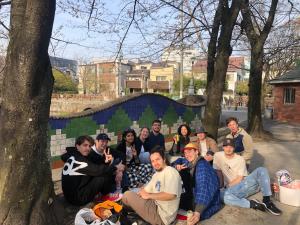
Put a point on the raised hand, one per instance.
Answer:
(108, 157)
(180, 167)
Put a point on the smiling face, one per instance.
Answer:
(144, 133)
(228, 150)
(184, 131)
(233, 126)
(84, 148)
(156, 127)
(101, 145)
(191, 154)
(129, 138)
(201, 136)
(157, 161)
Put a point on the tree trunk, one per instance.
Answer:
(214, 92)
(26, 188)
(219, 50)
(255, 126)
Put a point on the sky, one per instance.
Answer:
(104, 38)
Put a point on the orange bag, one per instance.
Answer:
(102, 209)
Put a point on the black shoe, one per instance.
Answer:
(271, 208)
(255, 204)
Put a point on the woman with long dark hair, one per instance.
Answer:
(137, 173)
(181, 139)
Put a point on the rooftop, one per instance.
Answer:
(293, 76)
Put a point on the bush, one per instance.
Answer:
(63, 83)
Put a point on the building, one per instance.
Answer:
(286, 92)
(137, 80)
(67, 66)
(238, 70)
(161, 77)
(103, 77)
(189, 57)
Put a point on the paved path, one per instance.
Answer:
(283, 152)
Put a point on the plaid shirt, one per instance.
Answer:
(206, 190)
(206, 187)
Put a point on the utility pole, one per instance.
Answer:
(181, 53)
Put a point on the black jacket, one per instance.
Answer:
(100, 159)
(139, 144)
(78, 171)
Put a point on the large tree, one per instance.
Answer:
(219, 51)
(257, 37)
(26, 189)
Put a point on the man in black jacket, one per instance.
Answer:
(97, 156)
(82, 180)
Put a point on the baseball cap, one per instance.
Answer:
(190, 146)
(102, 136)
(228, 142)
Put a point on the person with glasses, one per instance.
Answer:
(155, 137)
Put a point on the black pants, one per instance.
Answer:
(96, 185)
(186, 198)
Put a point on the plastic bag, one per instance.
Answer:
(86, 216)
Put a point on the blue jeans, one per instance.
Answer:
(258, 180)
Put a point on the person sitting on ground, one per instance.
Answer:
(137, 173)
(181, 139)
(142, 145)
(97, 156)
(207, 146)
(82, 180)
(155, 137)
(157, 202)
(201, 184)
(239, 185)
(242, 140)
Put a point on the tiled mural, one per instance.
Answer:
(135, 112)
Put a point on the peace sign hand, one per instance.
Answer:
(108, 157)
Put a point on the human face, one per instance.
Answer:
(101, 145)
(233, 126)
(129, 138)
(184, 131)
(191, 154)
(144, 133)
(201, 136)
(228, 150)
(157, 161)
(156, 127)
(84, 148)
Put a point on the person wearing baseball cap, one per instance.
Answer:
(242, 140)
(201, 184)
(207, 146)
(238, 184)
(98, 154)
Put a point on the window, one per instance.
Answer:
(289, 95)
(161, 78)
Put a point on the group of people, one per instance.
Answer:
(200, 179)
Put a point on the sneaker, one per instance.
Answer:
(257, 205)
(271, 208)
(114, 197)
